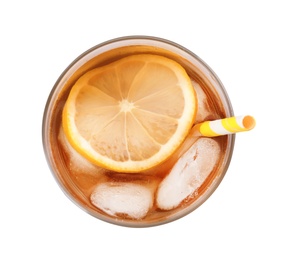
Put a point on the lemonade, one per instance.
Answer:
(125, 154)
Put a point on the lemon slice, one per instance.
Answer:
(132, 114)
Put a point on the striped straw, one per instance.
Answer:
(230, 125)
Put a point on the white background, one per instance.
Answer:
(241, 40)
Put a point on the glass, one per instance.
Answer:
(105, 53)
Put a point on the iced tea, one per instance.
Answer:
(165, 192)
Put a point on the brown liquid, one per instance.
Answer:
(80, 177)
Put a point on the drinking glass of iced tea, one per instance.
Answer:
(117, 131)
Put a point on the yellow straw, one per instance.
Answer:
(230, 125)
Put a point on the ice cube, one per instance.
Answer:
(119, 198)
(76, 162)
(204, 111)
(188, 174)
